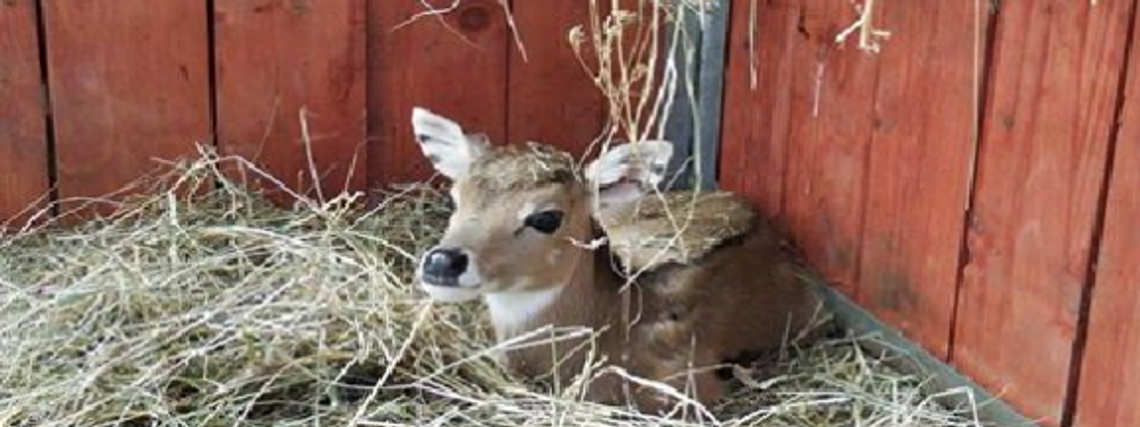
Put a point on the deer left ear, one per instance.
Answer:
(444, 143)
(629, 171)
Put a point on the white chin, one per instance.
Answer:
(450, 294)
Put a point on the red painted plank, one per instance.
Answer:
(23, 137)
(453, 64)
(551, 98)
(797, 145)
(761, 43)
(738, 108)
(919, 162)
(1054, 88)
(830, 132)
(1110, 377)
(129, 84)
(275, 58)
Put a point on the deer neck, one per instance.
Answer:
(588, 297)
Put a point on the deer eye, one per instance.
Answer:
(546, 222)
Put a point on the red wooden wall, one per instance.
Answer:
(95, 93)
(480, 79)
(123, 74)
(273, 59)
(24, 176)
(974, 183)
(1111, 365)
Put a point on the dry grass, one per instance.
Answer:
(222, 310)
(633, 50)
(219, 309)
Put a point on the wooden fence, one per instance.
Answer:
(976, 183)
(96, 91)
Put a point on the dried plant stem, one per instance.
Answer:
(199, 303)
(869, 36)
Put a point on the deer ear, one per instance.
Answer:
(629, 171)
(443, 142)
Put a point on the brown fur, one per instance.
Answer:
(677, 227)
(731, 290)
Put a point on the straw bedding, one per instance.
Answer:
(219, 309)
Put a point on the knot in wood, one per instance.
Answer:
(474, 18)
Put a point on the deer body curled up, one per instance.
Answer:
(722, 288)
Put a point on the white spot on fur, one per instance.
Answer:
(553, 256)
(510, 311)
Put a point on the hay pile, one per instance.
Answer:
(221, 310)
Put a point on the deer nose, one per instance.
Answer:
(445, 265)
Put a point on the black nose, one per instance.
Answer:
(445, 264)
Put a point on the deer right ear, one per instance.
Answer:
(628, 171)
(450, 150)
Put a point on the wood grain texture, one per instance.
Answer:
(830, 133)
(761, 45)
(1110, 377)
(23, 135)
(551, 98)
(129, 85)
(1054, 88)
(453, 64)
(277, 57)
(797, 144)
(920, 155)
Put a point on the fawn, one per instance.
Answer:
(516, 239)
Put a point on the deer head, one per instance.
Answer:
(520, 209)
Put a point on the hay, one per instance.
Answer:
(222, 310)
(869, 35)
(199, 303)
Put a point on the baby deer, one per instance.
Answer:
(516, 239)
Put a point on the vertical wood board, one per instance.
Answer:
(129, 86)
(762, 44)
(1110, 377)
(551, 100)
(454, 64)
(830, 133)
(1054, 87)
(920, 155)
(23, 134)
(275, 58)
